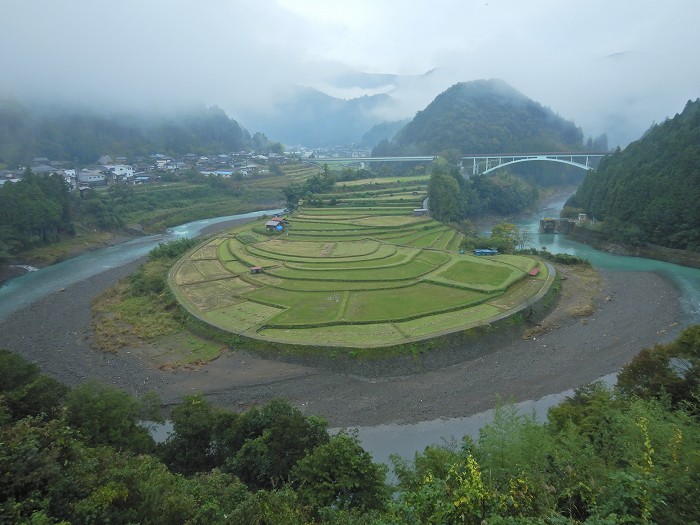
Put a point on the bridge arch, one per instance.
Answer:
(483, 164)
(570, 163)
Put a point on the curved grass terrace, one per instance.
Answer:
(355, 277)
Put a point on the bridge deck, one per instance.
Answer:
(483, 162)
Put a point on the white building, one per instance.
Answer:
(70, 177)
(120, 171)
(91, 177)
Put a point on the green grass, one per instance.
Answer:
(403, 303)
(303, 307)
(472, 272)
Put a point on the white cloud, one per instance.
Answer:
(590, 61)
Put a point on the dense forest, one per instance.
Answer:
(486, 116)
(33, 211)
(82, 136)
(83, 455)
(649, 192)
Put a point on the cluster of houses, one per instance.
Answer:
(143, 170)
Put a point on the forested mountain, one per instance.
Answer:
(650, 191)
(484, 116)
(83, 136)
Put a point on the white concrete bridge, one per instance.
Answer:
(482, 164)
(479, 164)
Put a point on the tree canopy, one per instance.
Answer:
(453, 198)
(649, 192)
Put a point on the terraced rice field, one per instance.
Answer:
(354, 276)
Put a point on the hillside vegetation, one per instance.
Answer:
(649, 192)
(82, 136)
(83, 455)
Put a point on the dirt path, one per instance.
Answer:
(634, 310)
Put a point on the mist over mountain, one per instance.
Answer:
(312, 118)
(484, 116)
(340, 104)
(82, 135)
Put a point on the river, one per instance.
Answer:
(380, 440)
(22, 291)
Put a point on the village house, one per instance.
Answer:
(273, 225)
(91, 177)
(120, 172)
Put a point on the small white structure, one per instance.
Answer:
(419, 212)
(120, 171)
(70, 177)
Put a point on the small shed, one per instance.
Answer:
(273, 225)
(256, 269)
(419, 212)
(534, 272)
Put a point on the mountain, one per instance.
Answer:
(310, 117)
(485, 116)
(649, 192)
(382, 131)
(84, 135)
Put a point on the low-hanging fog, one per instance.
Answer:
(612, 67)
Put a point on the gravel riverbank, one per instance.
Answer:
(635, 310)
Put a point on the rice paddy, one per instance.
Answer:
(351, 276)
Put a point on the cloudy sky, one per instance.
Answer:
(612, 66)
